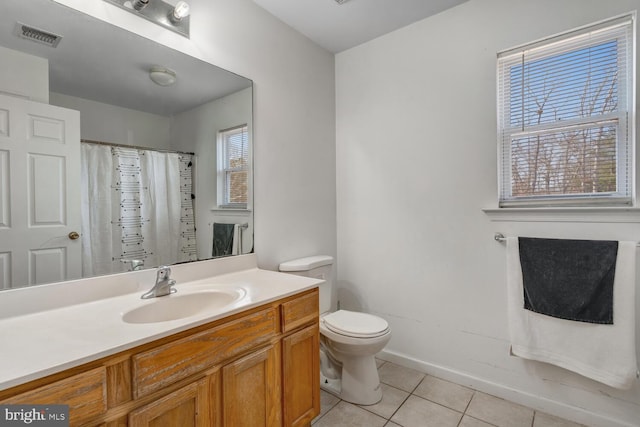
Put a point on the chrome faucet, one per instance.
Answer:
(135, 264)
(164, 284)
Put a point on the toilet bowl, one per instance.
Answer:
(349, 340)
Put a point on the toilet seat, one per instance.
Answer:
(354, 324)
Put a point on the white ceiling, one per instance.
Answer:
(99, 61)
(93, 55)
(338, 27)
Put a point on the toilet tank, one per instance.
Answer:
(317, 267)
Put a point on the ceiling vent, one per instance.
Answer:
(37, 35)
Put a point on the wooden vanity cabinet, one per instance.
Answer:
(84, 391)
(251, 392)
(255, 368)
(301, 385)
(187, 406)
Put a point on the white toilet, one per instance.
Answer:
(348, 340)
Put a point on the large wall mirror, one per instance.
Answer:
(116, 153)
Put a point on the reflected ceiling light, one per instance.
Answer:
(174, 18)
(162, 76)
(139, 4)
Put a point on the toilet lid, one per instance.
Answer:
(353, 324)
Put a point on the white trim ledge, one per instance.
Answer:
(231, 211)
(565, 214)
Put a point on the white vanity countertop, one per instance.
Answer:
(42, 343)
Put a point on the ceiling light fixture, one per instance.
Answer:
(174, 18)
(162, 75)
(341, 1)
(179, 12)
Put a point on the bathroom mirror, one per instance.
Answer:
(163, 174)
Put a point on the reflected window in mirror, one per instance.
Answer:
(233, 167)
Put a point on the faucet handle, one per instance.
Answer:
(164, 273)
(164, 284)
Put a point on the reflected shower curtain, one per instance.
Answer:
(96, 177)
(136, 206)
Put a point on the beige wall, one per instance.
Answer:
(24, 75)
(110, 123)
(416, 164)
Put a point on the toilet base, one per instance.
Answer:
(358, 383)
(330, 385)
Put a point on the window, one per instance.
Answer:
(565, 119)
(233, 167)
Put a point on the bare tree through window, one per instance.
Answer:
(573, 160)
(563, 117)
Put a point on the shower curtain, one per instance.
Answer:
(136, 205)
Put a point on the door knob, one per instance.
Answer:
(74, 235)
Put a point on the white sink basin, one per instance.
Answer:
(178, 306)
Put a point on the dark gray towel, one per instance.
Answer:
(222, 239)
(569, 279)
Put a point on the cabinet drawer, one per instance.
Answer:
(85, 393)
(171, 362)
(300, 311)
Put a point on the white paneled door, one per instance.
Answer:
(39, 193)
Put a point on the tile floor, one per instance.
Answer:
(411, 398)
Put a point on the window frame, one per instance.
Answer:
(625, 118)
(223, 170)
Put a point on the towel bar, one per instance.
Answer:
(499, 237)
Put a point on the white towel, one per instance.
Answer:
(605, 353)
(236, 249)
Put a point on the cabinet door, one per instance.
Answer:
(185, 407)
(301, 376)
(251, 390)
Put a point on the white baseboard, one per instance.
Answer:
(521, 397)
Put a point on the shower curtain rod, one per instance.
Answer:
(499, 237)
(137, 147)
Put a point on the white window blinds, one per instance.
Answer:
(564, 118)
(234, 171)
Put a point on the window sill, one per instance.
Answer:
(565, 214)
(232, 211)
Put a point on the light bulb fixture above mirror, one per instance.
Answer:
(180, 11)
(139, 4)
(174, 18)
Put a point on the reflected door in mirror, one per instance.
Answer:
(39, 156)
